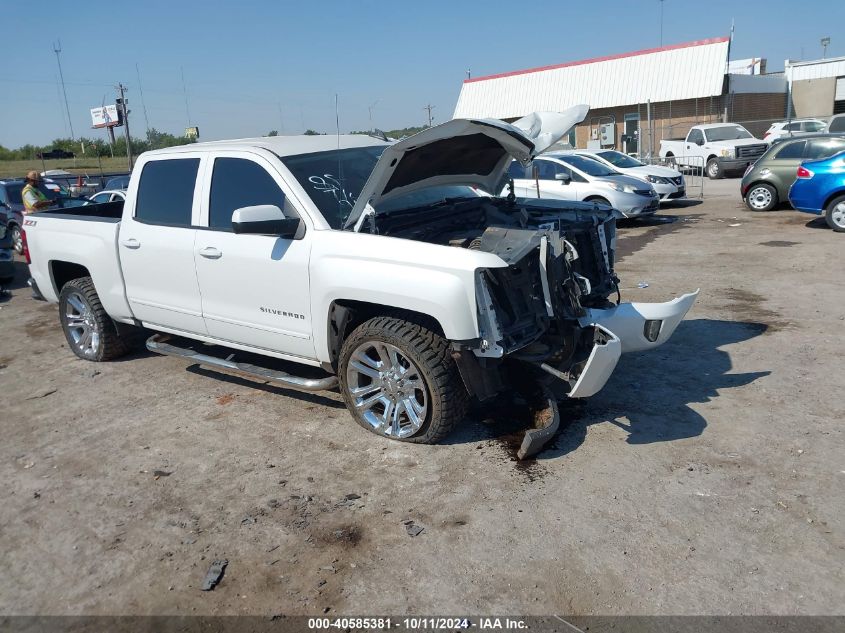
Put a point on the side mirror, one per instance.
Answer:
(267, 219)
(565, 179)
(700, 142)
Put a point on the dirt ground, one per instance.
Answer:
(706, 478)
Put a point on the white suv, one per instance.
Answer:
(793, 128)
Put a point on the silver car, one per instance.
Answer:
(567, 176)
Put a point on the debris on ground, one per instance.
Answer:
(189, 541)
(545, 420)
(41, 394)
(413, 529)
(214, 574)
(737, 224)
(642, 284)
(161, 473)
(352, 496)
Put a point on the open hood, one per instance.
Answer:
(474, 152)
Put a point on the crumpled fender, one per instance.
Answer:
(627, 320)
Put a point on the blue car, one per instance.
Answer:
(820, 188)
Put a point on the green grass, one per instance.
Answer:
(80, 165)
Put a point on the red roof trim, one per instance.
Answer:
(712, 40)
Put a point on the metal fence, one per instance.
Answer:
(692, 167)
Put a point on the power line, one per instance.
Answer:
(143, 103)
(57, 48)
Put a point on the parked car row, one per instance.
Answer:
(808, 171)
(605, 177)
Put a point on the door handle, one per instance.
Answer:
(131, 243)
(209, 252)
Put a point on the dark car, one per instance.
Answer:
(55, 153)
(820, 189)
(119, 182)
(766, 183)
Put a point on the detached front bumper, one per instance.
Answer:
(628, 327)
(641, 326)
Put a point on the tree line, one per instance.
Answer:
(96, 146)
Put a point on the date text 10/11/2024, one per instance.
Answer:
(416, 623)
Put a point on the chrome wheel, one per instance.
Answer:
(81, 324)
(760, 198)
(17, 240)
(713, 169)
(387, 389)
(837, 215)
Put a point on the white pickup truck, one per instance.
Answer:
(719, 148)
(385, 268)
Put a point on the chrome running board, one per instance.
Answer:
(158, 343)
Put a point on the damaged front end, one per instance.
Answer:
(548, 314)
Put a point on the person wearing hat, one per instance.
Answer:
(33, 198)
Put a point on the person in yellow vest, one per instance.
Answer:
(33, 198)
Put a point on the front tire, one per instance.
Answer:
(398, 380)
(714, 169)
(90, 332)
(761, 197)
(834, 214)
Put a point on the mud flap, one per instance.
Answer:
(546, 421)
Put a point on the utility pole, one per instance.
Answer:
(57, 48)
(825, 42)
(121, 89)
(429, 108)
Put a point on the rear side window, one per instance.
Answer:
(166, 192)
(837, 124)
(792, 150)
(823, 148)
(237, 183)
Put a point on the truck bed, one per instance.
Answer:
(105, 212)
(83, 237)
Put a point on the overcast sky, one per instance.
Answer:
(251, 66)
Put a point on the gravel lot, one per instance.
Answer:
(707, 477)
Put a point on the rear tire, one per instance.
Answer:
(714, 169)
(90, 332)
(834, 214)
(761, 197)
(398, 380)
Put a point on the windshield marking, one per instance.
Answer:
(327, 183)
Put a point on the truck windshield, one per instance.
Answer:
(589, 166)
(619, 159)
(334, 179)
(727, 133)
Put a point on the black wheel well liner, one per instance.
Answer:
(347, 314)
(62, 272)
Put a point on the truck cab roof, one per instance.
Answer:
(280, 145)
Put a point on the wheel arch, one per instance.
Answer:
(62, 272)
(346, 314)
(831, 197)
